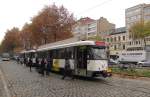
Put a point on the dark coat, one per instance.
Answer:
(30, 62)
(25, 60)
(43, 64)
(67, 64)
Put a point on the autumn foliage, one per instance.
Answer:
(51, 24)
(11, 40)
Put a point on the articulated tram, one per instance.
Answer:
(87, 58)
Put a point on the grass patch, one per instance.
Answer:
(132, 72)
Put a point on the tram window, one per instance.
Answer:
(35, 55)
(69, 52)
(97, 53)
(82, 56)
(42, 54)
(61, 53)
(39, 54)
(55, 54)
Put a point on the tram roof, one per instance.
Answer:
(29, 51)
(56, 46)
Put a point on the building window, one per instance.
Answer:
(139, 42)
(123, 37)
(115, 47)
(111, 40)
(130, 43)
(107, 39)
(119, 38)
(104, 39)
(148, 39)
(147, 10)
(115, 39)
(123, 46)
(136, 42)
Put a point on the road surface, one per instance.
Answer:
(21, 82)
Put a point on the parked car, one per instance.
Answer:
(144, 63)
(113, 62)
(5, 57)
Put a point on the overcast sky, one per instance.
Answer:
(17, 12)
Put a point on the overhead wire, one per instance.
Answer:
(98, 5)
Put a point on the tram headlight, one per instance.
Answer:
(109, 70)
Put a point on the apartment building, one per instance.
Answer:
(84, 27)
(87, 27)
(92, 29)
(138, 13)
(117, 41)
(104, 27)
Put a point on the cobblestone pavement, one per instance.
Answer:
(23, 83)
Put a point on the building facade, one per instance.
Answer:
(92, 29)
(104, 27)
(85, 28)
(117, 41)
(138, 13)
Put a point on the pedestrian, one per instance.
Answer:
(42, 66)
(25, 61)
(34, 61)
(21, 60)
(30, 64)
(67, 69)
(49, 63)
(37, 63)
(18, 60)
(28, 61)
(39, 60)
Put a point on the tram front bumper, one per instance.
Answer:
(104, 73)
(107, 73)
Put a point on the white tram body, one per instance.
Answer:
(27, 54)
(87, 58)
(92, 67)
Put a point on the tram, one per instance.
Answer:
(27, 54)
(87, 58)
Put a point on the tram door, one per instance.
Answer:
(81, 61)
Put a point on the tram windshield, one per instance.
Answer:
(97, 53)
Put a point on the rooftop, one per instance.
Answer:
(85, 20)
(119, 30)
